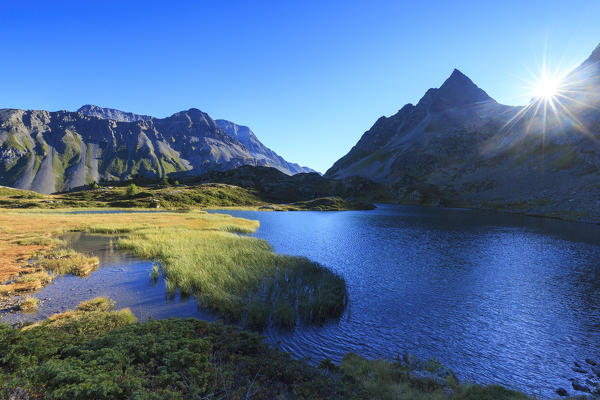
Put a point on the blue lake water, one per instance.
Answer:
(498, 298)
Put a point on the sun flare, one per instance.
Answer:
(546, 88)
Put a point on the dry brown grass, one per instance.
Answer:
(33, 235)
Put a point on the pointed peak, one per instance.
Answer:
(456, 74)
(456, 91)
(456, 79)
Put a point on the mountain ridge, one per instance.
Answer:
(459, 147)
(52, 151)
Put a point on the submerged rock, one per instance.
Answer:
(580, 387)
(562, 392)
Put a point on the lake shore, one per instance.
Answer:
(380, 379)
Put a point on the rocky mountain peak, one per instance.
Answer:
(110, 113)
(457, 91)
(194, 114)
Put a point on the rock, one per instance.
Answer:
(596, 371)
(579, 370)
(580, 387)
(562, 392)
(590, 361)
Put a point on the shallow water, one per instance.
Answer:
(498, 298)
(120, 277)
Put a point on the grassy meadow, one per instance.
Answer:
(169, 197)
(199, 254)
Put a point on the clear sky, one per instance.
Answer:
(309, 77)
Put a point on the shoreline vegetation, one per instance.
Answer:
(202, 196)
(97, 352)
(200, 254)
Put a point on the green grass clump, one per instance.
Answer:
(96, 304)
(154, 273)
(114, 229)
(241, 277)
(30, 305)
(40, 241)
(37, 276)
(68, 261)
(132, 190)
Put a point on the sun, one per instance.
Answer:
(546, 88)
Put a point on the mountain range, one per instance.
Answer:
(53, 151)
(459, 147)
(456, 147)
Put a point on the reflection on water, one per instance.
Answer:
(120, 277)
(498, 298)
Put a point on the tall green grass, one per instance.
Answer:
(239, 276)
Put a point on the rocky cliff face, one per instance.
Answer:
(459, 147)
(244, 135)
(52, 151)
(110, 113)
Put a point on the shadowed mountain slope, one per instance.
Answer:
(459, 147)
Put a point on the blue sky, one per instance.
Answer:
(309, 77)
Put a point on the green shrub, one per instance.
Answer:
(82, 358)
(132, 190)
(492, 392)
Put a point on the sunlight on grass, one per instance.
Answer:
(241, 277)
(200, 254)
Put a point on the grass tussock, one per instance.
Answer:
(30, 305)
(67, 261)
(40, 241)
(154, 273)
(96, 304)
(110, 229)
(89, 318)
